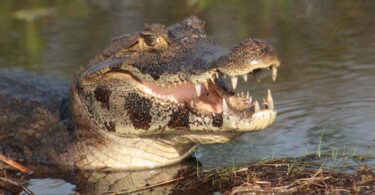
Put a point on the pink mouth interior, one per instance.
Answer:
(211, 98)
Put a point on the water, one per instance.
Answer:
(324, 94)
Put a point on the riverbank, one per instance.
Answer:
(283, 176)
(304, 175)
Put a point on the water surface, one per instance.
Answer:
(324, 93)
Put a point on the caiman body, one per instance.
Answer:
(146, 101)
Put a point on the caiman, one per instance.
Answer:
(146, 101)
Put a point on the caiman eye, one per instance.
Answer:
(151, 40)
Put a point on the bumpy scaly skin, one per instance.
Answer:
(135, 106)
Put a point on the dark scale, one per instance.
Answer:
(179, 118)
(102, 94)
(217, 120)
(138, 109)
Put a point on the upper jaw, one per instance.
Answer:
(251, 57)
(237, 64)
(206, 92)
(248, 56)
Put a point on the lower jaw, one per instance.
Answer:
(259, 120)
(236, 118)
(237, 124)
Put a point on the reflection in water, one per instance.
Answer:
(33, 46)
(50, 186)
(325, 83)
(156, 181)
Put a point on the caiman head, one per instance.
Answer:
(168, 83)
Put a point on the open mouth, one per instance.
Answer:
(214, 96)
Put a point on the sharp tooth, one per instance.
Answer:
(217, 74)
(250, 99)
(147, 90)
(256, 106)
(270, 100)
(271, 105)
(234, 81)
(225, 106)
(212, 79)
(247, 95)
(269, 95)
(242, 94)
(192, 103)
(274, 73)
(198, 89)
(244, 77)
(206, 120)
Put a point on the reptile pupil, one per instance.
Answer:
(150, 40)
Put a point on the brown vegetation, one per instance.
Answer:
(285, 176)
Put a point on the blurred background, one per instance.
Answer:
(325, 93)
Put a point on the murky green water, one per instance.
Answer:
(325, 85)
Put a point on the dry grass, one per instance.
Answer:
(280, 177)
